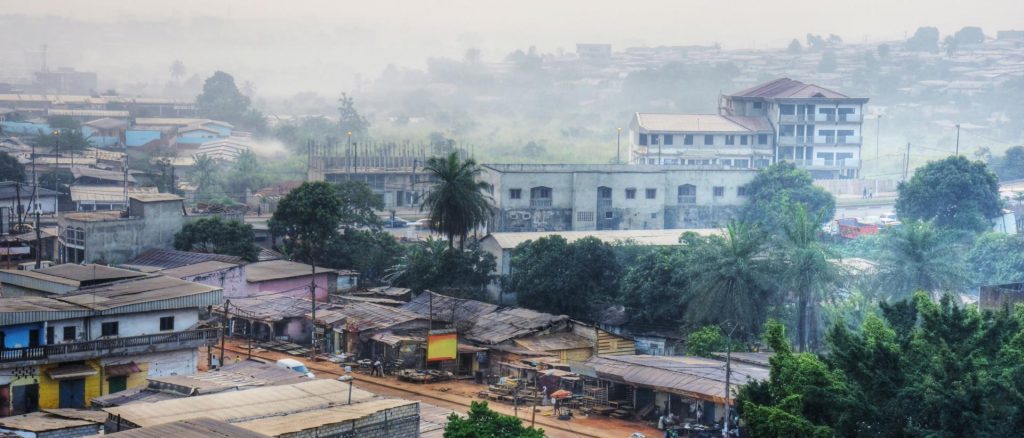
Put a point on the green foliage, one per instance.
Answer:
(808, 272)
(917, 256)
(215, 235)
(732, 278)
(63, 123)
(710, 339)
(552, 275)
(776, 188)
(370, 252)
(996, 258)
(10, 168)
(456, 203)
(430, 265)
(482, 422)
(359, 205)
(63, 141)
(246, 173)
(1011, 165)
(654, 288)
(221, 100)
(308, 217)
(925, 39)
(954, 192)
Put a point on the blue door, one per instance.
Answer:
(72, 393)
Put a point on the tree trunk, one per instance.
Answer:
(814, 326)
(801, 322)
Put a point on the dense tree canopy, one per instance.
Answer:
(776, 189)
(359, 205)
(215, 235)
(371, 252)
(809, 274)
(953, 192)
(449, 271)
(917, 256)
(308, 217)
(221, 100)
(996, 258)
(926, 369)
(1011, 165)
(654, 288)
(552, 275)
(482, 422)
(10, 168)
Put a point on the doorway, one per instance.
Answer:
(72, 393)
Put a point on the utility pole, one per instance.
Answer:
(312, 295)
(224, 329)
(728, 365)
(878, 129)
(906, 162)
(39, 243)
(618, 147)
(958, 139)
(349, 152)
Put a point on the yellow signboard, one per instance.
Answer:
(442, 345)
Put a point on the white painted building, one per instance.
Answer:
(701, 140)
(18, 197)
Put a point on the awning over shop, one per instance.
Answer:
(71, 372)
(123, 369)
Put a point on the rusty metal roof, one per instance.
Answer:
(367, 316)
(786, 88)
(301, 423)
(198, 269)
(685, 375)
(88, 273)
(280, 269)
(169, 258)
(193, 428)
(271, 307)
(393, 339)
(511, 323)
(42, 422)
(465, 310)
(555, 342)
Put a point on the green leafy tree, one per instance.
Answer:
(246, 173)
(63, 141)
(654, 288)
(1011, 165)
(996, 258)
(482, 422)
(370, 252)
(59, 181)
(349, 119)
(808, 272)
(709, 339)
(733, 279)
(359, 205)
(456, 203)
(953, 192)
(775, 188)
(454, 272)
(10, 168)
(221, 100)
(205, 173)
(925, 39)
(917, 256)
(215, 235)
(307, 217)
(63, 123)
(552, 275)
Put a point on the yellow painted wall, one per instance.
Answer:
(135, 380)
(49, 389)
(575, 355)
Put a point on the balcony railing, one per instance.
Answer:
(849, 139)
(540, 202)
(687, 199)
(849, 118)
(101, 347)
(821, 163)
(604, 202)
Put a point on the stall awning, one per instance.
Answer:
(123, 369)
(71, 372)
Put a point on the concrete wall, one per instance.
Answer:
(231, 280)
(295, 286)
(138, 137)
(399, 422)
(45, 204)
(137, 324)
(575, 204)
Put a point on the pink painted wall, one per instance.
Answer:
(232, 280)
(295, 286)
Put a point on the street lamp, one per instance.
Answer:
(349, 151)
(56, 158)
(728, 364)
(618, 146)
(958, 139)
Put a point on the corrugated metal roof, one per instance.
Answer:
(686, 375)
(10, 190)
(237, 406)
(88, 273)
(698, 123)
(393, 339)
(79, 414)
(81, 193)
(106, 175)
(106, 123)
(154, 197)
(279, 269)
(198, 269)
(510, 323)
(511, 240)
(294, 423)
(789, 88)
(41, 422)
(169, 258)
(367, 316)
(240, 375)
(194, 428)
(465, 310)
(555, 342)
(273, 307)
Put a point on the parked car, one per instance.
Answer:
(395, 222)
(296, 366)
(422, 224)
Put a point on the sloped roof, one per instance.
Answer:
(80, 192)
(786, 88)
(192, 428)
(280, 269)
(88, 273)
(302, 421)
(367, 316)
(700, 123)
(169, 258)
(198, 268)
(510, 323)
(554, 342)
(42, 422)
(272, 307)
(465, 310)
(107, 123)
(106, 175)
(686, 375)
(10, 190)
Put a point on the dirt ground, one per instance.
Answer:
(454, 395)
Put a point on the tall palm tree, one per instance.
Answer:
(204, 173)
(808, 272)
(457, 203)
(733, 279)
(917, 256)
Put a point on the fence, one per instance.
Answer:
(105, 345)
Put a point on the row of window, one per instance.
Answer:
(709, 140)
(605, 193)
(739, 163)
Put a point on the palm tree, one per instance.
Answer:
(808, 272)
(732, 279)
(456, 203)
(203, 173)
(177, 69)
(916, 257)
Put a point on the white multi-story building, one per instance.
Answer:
(816, 128)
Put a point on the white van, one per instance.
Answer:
(296, 366)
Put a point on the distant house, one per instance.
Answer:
(196, 135)
(18, 197)
(282, 277)
(105, 132)
(59, 279)
(105, 197)
(89, 176)
(227, 149)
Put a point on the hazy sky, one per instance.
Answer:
(363, 36)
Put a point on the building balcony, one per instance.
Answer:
(796, 118)
(824, 164)
(850, 139)
(85, 350)
(850, 118)
(604, 203)
(540, 203)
